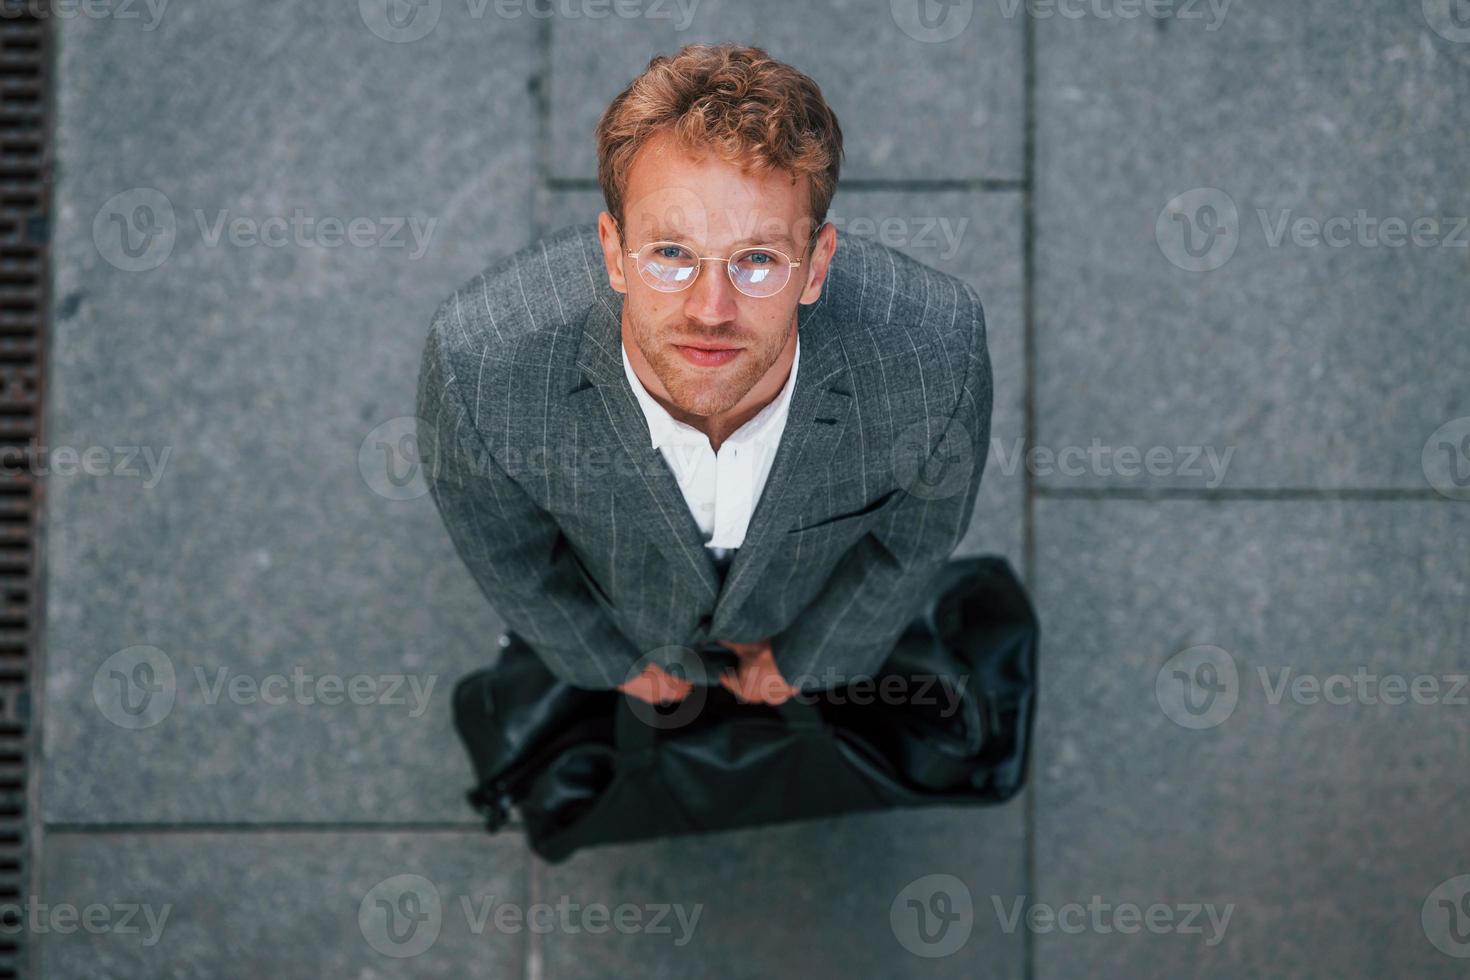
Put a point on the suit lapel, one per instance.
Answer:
(820, 404)
(607, 415)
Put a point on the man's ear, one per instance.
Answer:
(819, 263)
(612, 251)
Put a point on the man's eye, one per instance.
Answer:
(759, 258)
(671, 252)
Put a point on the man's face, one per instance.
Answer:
(712, 209)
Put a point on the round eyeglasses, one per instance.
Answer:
(670, 267)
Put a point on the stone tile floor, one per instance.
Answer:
(1231, 451)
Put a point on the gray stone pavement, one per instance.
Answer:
(1230, 457)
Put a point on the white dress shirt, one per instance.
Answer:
(721, 488)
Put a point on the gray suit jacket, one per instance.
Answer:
(538, 458)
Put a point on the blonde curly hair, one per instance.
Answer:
(752, 111)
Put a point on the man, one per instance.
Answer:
(721, 432)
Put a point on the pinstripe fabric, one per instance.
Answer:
(539, 460)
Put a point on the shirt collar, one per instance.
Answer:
(664, 429)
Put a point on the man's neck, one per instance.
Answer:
(719, 427)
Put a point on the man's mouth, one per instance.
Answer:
(703, 355)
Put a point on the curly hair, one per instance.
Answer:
(752, 111)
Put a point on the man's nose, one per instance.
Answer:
(712, 296)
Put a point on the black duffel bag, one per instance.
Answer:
(946, 721)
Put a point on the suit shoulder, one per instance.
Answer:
(537, 289)
(514, 314)
(901, 306)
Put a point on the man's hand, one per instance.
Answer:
(756, 677)
(657, 686)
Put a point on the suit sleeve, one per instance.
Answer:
(513, 548)
(883, 581)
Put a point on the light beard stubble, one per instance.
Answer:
(708, 395)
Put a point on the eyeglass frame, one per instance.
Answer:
(729, 269)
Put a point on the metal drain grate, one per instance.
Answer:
(24, 209)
